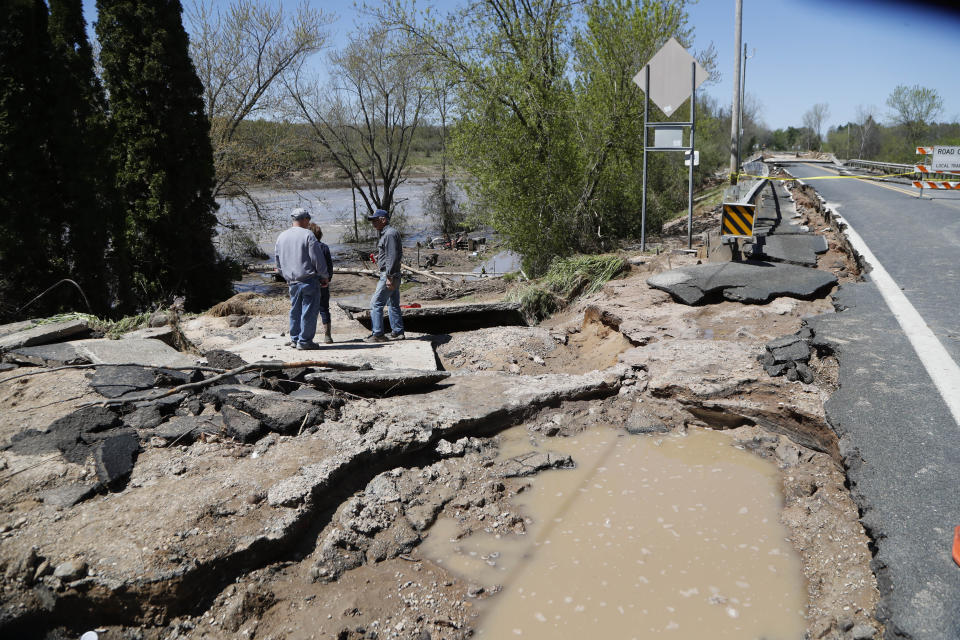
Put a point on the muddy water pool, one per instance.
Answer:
(676, 535)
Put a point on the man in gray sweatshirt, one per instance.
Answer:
(301, 262)
(389, 255)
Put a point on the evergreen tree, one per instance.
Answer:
(162, 152)
(30, 221)
(81, 153)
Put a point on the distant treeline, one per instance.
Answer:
(295, 149)
(888, 143)
(882, 143)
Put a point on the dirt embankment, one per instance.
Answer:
(313, 527)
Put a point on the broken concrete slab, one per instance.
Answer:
(113, 381)
(469, 401)
(132, 351)
(794, 249)
(408, 354)
(114, 458)
(186, 429)
(144, 418)
(146, 352)
(790, 348)
(280, 413)
(69, 495)
(378, 381)
(58, 354)
(219, 393)
(45, 334)
(222, 359)
(317, 397)
(16, 327)
(701, 367)
(751, 282)
(276, 411)
(721, 383)
(164, 334)
(240, 426)
(67, 434)
(448, 318)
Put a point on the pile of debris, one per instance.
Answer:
(789, 356)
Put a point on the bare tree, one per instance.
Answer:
(366, 115)
(243, 54)
(866, 126)
(813, 120)
(914, 108)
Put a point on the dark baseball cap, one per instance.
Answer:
(379, 213)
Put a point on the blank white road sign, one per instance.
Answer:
(670, 76)
(667, 137)
(945, 159)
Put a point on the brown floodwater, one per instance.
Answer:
(675, 536)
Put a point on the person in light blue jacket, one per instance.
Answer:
(301, 262)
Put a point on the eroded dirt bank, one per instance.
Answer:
(313, 527)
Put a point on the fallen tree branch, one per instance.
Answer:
(426, 274)
(261, 366)
(469, 274)
(357, 272)
(93, 366)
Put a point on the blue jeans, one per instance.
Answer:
(382, 296)
(304, 306)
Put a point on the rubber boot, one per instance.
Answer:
(327, 338)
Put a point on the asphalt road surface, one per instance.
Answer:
(899, 434)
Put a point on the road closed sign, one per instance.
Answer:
(945, 159)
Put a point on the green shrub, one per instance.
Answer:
(565, 280)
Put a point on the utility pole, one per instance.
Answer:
(743, 96)
(735, 109)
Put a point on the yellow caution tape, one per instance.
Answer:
(888, 175)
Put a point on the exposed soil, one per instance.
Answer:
(150, 559)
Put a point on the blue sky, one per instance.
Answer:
(842, 52)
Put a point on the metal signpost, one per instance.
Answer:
(661, 80)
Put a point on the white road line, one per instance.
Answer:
(939, 365)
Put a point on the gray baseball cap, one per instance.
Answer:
(299, 214)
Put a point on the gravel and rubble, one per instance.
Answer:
(292, 503)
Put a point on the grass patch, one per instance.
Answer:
(127, 324)
(711, 197)
(567, 279)
(112, 329)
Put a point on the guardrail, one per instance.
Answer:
(908, 170)
(746, 189)
(882, 167)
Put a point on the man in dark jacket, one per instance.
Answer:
(389, 255)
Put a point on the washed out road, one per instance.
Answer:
(899, 439)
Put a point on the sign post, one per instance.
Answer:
(661, 80)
